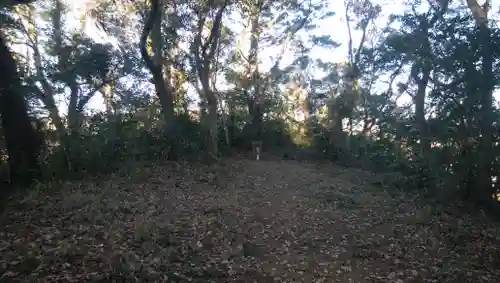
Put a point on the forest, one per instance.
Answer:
(242, 141)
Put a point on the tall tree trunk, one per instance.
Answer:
(55, 117)
(23, 143)
(46, 93)
(419, 101)
(157, 37)
(73, 113)
(63, 53)
(484, 182)
(162, 90)
(224, 121)
(484, 158)
(336, 133)
(257, 99)
(204, 58)
(107, 95)
(211, 118)
(423, 67)
(219, 97)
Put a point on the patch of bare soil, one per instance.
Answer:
(240, 221)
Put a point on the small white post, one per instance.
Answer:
(256, 148)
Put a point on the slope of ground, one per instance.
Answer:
(240, 221)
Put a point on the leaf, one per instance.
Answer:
(277, 219)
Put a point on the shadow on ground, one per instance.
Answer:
(240, 221)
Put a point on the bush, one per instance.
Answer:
(105, 144)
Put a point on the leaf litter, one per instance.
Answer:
(241, 221)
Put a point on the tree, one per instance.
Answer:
(153, 22)
(484, 161)
(23, 143)
(204, 55)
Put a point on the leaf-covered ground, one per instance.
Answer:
(241, 221)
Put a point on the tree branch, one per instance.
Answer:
(85, 99)
(148, 26)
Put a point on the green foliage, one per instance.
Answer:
(346, 110)
(276, 134)
(381, 134)
(106, 144)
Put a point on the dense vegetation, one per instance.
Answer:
(194, 81)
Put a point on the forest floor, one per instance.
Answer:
(241, 221)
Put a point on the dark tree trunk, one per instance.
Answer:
(419, 100)
(163, 91)
(255, 109)
(23, 143)
(484, 182)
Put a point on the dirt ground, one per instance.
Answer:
(240, 221)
